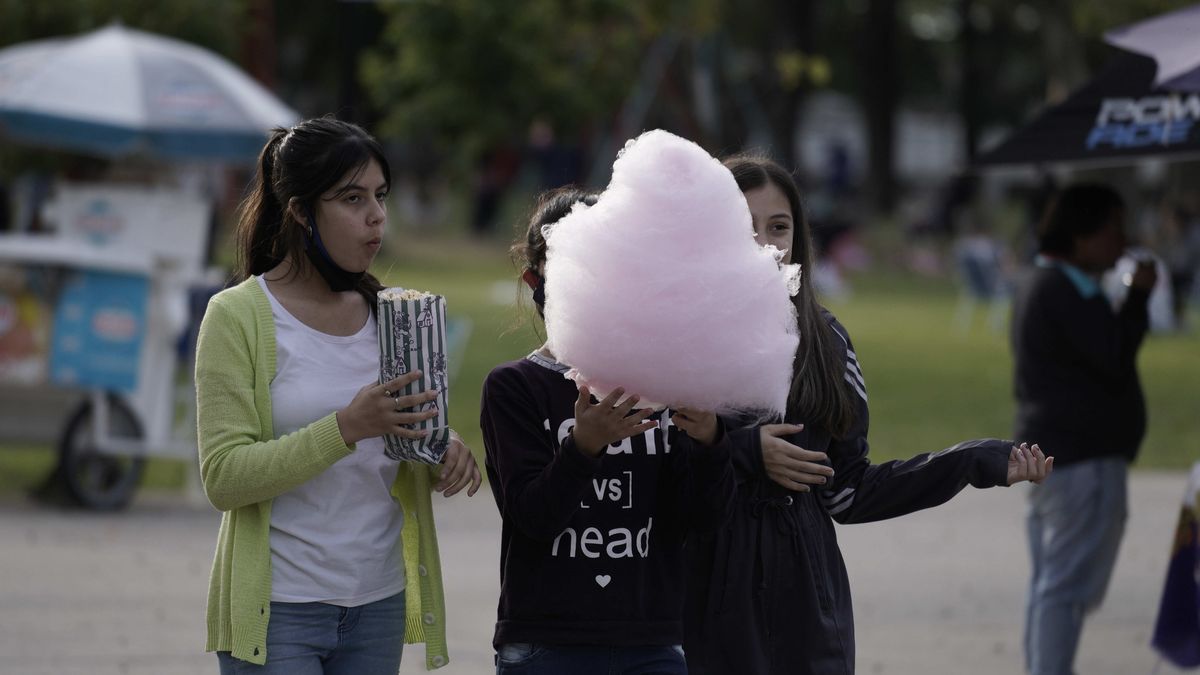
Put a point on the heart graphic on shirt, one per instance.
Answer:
(603, 580)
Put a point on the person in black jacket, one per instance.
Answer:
(596, 500)
(1077, 392)
(768, 592)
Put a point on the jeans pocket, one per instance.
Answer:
(517, 653)
(678, 649)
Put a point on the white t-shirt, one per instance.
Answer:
(335, 538)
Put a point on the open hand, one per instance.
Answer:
(1025, 463)
(459, 469)
(598, 425)
(791, 466)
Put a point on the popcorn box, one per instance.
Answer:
(412, 336)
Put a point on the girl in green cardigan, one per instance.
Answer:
(327, 558)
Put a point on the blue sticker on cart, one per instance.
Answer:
(99, 325)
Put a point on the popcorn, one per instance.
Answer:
(412, 336)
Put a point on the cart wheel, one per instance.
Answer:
(94, 480)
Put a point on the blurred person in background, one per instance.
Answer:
(1183, 260)
(327, 558)
(1078, 393)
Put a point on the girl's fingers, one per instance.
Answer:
(610, 401)
(454, 484)
(794, 451)
(641, 414)
(778, 430)
(404, 432)
(452, 474)
(396, 384)
(415, 417)
(625, 406)
(797, 464)
(1040, 462)
(583, 401)
(644, 427)
(806, 477)
(476, 480)
(414, 400)
(789, 484)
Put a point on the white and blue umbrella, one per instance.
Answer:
(118, 91)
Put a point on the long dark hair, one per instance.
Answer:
(529, 250)
(300, 163)
(819, 394)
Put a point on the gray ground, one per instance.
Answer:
(936, 592)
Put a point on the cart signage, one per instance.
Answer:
(99, 323)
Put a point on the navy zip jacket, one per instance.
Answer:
(1076, 378)
(591, 550)
(768, 593)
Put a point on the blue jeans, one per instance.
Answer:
(529, 659)
(1076, 519)
(314, 638)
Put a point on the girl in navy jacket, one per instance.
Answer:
(768, 592)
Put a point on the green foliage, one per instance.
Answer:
(472, 74)
(1093, 19)
(210, 23)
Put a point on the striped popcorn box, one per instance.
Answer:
(412, 336)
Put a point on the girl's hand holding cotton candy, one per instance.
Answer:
(597, 425)
(699, 424)
(377, 410)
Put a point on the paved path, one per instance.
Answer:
(936, 592)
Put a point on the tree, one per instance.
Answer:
(214, 24)
(469, 75)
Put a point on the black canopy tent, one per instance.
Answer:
(1116, 118)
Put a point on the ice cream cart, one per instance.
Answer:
(97, 320)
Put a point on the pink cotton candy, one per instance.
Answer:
(661, 288)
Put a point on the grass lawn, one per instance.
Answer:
(930, 385)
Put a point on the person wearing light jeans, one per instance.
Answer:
(1078, 394)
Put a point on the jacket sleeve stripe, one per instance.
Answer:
(834, 510)
(857, 387)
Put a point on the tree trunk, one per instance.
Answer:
(968, 91)
(793, 32)
(882, 73)
(1064, 58)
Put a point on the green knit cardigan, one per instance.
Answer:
(243, 467)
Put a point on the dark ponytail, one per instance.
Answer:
(260, 219)
(529, 250)
(301, 164)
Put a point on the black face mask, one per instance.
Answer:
(338, 279)
(538, 284)
(539, 299)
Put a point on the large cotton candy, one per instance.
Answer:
(661, 288)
